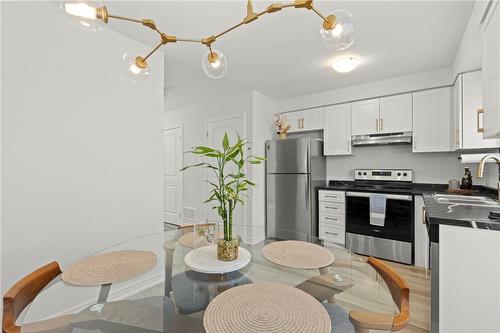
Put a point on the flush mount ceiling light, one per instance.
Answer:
(337, 31)
(346, 64)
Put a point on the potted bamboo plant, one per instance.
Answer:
(228, 166)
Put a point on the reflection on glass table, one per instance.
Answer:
(173, 298)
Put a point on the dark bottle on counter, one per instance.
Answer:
(466, 180)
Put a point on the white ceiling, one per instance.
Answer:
(281, 55)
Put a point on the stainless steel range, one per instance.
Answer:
(379, 214)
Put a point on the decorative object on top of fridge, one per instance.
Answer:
(282, 125)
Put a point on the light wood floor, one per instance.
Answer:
(420, 297)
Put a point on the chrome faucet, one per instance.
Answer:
(480, 169)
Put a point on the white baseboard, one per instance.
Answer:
(117, 295)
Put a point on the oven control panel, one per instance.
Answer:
(401, 175)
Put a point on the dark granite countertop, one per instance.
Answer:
(437, 212)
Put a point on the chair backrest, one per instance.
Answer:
(187, 228)
(24, 292)
(399, 289)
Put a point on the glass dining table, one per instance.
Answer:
(172, 297)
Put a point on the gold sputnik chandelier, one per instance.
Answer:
(337, 32)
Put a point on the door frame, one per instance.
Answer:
(179, 126)
(243, 116)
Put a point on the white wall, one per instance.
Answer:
(469, 53)
(397, 85)
(1, 246)
(194, 121)
(263, 109)
(429, 168)
(258, 111)
(81, 151)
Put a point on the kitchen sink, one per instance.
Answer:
(459, 197)
(461, 200)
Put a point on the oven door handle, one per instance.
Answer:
(388, 196)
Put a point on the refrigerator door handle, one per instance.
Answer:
(308, 189)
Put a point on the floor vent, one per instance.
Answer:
(189, 213)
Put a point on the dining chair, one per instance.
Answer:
(364, 321)
(23, 293)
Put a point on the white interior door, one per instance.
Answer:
(215, 133)
(172, 179)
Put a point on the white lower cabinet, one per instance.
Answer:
(332, 233)
(331, 218)
(421, 235)
(432, 120)
(337, 130)
(469, 280)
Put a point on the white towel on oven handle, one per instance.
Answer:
(377, 209)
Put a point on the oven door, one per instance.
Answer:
(398, 223)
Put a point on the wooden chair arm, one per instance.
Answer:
(364, 320)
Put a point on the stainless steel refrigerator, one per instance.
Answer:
(294, 168)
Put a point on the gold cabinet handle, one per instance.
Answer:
(424, 211)
(299, 123)
(302, 123)
(479, 128)
(381, 124)
(376, 124)
(457, 137)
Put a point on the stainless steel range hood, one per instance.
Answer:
(382, 139)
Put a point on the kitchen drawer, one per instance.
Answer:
(335, 220)
(334, 234)
(331, 208)
(331, 196)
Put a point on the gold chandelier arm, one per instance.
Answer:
(123, 18)
(189, 40)
(319, 14)
(251, 16)
(153, 50)
(146, 22)
(230, 29)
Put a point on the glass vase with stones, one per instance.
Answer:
(228, 245)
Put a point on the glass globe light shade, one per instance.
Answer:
(342, 34)
(83, 14)
(214, 64)
(133, 71)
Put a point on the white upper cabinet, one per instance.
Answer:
(365, 117)
(305, 120)
(432, 120)
(312, 119)
(491, 72)
(396, 114)
(337, 130)
(456, 115)
(294, 119)
(472, 114)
